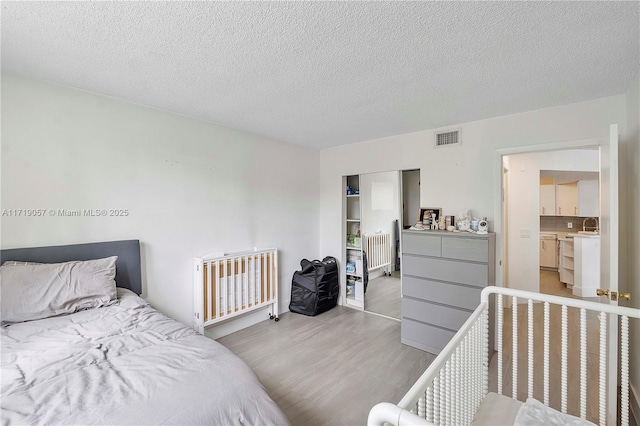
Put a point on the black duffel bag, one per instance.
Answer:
(315, 289)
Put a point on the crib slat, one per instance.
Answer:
(546, 354)
(485, 352)
(225, 287)
(479, 367)
(530, 349)
(449, 391)
(443, 396)
(602, 380)
(500, 322)
(456, 390)
(624, 370)
(436, 399)
(245, 282)
(252, 280)
(219, 289)
(563, 372)
(429, 404)
(514, 351)
(232, 285)
(212, 294)
(464, 372)
(267, 274)
(583, 363)
(258, 278)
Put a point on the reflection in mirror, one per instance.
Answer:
(386, 198)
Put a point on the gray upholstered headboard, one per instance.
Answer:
(128, 271)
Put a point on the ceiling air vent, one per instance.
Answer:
(448, 138)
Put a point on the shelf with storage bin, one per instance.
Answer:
(353, 256)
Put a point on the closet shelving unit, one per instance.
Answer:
(353, 272)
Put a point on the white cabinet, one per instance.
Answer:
(580, 198)
(547, 200)
(354, 286)
(548, 251)
(587, 265)
(567, 199)
(588, 198)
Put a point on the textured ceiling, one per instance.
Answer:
(323, 74)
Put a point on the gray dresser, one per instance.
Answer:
(443, 274)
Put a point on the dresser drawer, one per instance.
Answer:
(449, 294)
(475, 274)
(425, 245)
(440, 315)
(424, 336)
(466, 249)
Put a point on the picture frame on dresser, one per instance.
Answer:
(428, 211)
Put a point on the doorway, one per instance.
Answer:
(534, 227)
(609, 232)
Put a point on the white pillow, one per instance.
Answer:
(36, 291)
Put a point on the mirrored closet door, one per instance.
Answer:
(377, 209)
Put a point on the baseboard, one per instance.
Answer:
(634, 406)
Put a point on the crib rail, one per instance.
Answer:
(378, 248)
(229, 285)
(452, 388)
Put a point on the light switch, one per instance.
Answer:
(525, 233)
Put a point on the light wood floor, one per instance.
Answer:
(383, 295)
(332, 368)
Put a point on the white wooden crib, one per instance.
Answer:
(461, 386)
(378, 248)
(232, 284)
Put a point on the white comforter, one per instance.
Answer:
(125, 364)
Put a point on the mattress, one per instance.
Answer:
(125, 364)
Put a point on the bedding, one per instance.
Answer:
(502, 410)
(126, 363)
(534, 413)
(33, 291)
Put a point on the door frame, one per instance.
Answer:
(498, 186)
(611, 153)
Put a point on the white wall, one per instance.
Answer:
(463, 177)
(632, 284)
(190, 187)
(524, 208)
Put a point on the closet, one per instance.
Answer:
(372, 219)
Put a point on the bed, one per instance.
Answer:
(89, 353)
(554, 351)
